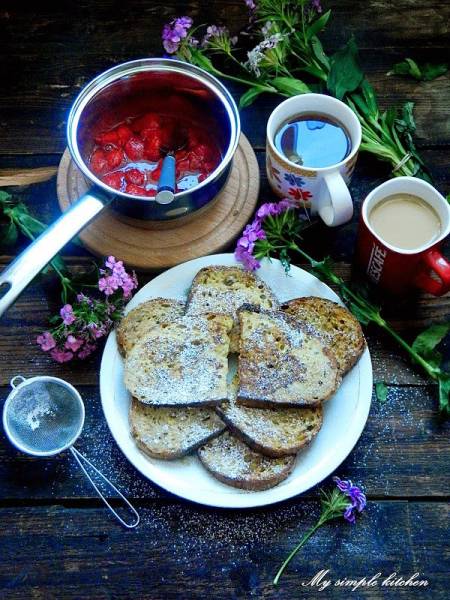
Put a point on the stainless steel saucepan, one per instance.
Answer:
(130, 89)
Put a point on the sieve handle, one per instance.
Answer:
(82, 459)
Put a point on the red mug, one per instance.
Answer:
(397, 270)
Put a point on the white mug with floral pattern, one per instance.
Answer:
(321, 190)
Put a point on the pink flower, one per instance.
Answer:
(87, 350)
(96, 331)
(128, 285)
(61, 356)
(73, 343)
(110, 262)
(108, 285)
(46, 341)
(67, 315)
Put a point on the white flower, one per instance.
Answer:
(255, 56)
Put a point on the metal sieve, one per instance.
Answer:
(44, 416)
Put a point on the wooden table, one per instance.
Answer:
(56, 540)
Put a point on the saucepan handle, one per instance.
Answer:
(40, 252)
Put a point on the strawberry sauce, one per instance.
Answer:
(128, 157)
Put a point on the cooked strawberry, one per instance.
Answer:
(135, 190)
(182, 168)
(124, 133)
(156, 173)
(152, 148)
(107, 137)
(99, 162)
(135, 176)
(114, 156)
(134, 148)
(114, 180)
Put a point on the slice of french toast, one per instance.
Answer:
(171, 432)
(282, 362)
(271, 431)
(183, 362)
(232, 462)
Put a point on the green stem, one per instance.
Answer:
(302, 542)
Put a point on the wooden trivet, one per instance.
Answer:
(152, 246)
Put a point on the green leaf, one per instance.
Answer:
(32, 225)
(290, 86)
(447, 197)
(8, 234)
(201, 60)
(444, 393)
(318, 25)
(345, 73)
(381, 391)
(426, 342)
(370, 97)
(426, 72)
(250, 96)
(318, 51)
(5, 197)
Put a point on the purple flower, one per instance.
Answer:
(61, 356)
(67, 315)
(111, 261)
(251, 5)
(246, 257)
(286, 204)
(174, 32)
(316, 5)
(254, 231)
(46, 341)
(213, 31)
(73, 343)
(357, 497)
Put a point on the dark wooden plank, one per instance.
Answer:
(189, 552)
(34, 108)
(403, 452)
(104, 26)
(33, 114)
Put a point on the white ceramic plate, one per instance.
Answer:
(344, 419)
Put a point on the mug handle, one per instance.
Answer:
(433, 260)
(335, 205)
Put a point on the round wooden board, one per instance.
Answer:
(150, 246)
